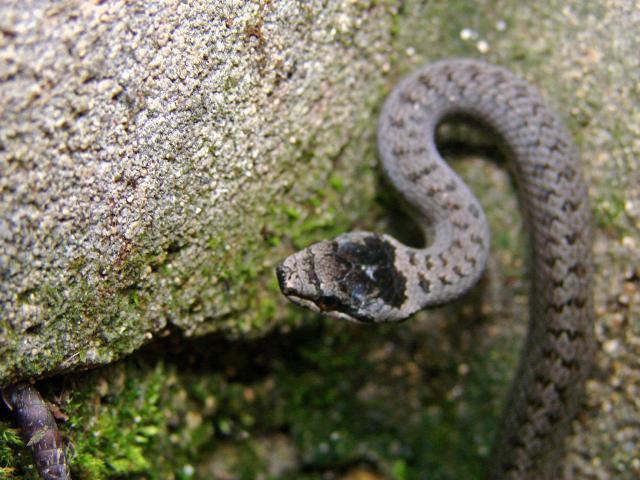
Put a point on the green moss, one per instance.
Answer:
(122, 426)
(339, 395)
(610, 211)
(12, 451)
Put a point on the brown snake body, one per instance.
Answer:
(373, 278)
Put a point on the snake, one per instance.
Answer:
(373, 278)
(38, 430)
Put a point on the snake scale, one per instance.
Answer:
(370, 277)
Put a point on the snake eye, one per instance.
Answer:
(327, 303)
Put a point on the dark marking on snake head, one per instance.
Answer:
(539, 169)
(281, 275)
(571, 238)
(458, 271)
(372, 273)
(353, 274)
(420, 149)
(579, 269)
(545, 195)
(433, 191)
(409, 97)
(535, 108)
(426, 80)
(557, 147)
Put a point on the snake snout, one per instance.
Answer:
(283, 276)
(288, 279)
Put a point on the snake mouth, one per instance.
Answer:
(320, 305)
(283, 274)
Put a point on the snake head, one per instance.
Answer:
(351, 277)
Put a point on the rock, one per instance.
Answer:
(154, 157)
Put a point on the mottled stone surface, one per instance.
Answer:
(147, 152)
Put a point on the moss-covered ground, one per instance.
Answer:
(338, 397)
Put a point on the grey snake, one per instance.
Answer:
(373, 278)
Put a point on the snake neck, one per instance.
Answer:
(449, 214)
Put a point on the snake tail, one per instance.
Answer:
(38, 430)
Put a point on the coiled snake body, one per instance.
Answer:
(373, 278)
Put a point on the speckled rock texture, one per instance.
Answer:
(146, 149)
(157, 159)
